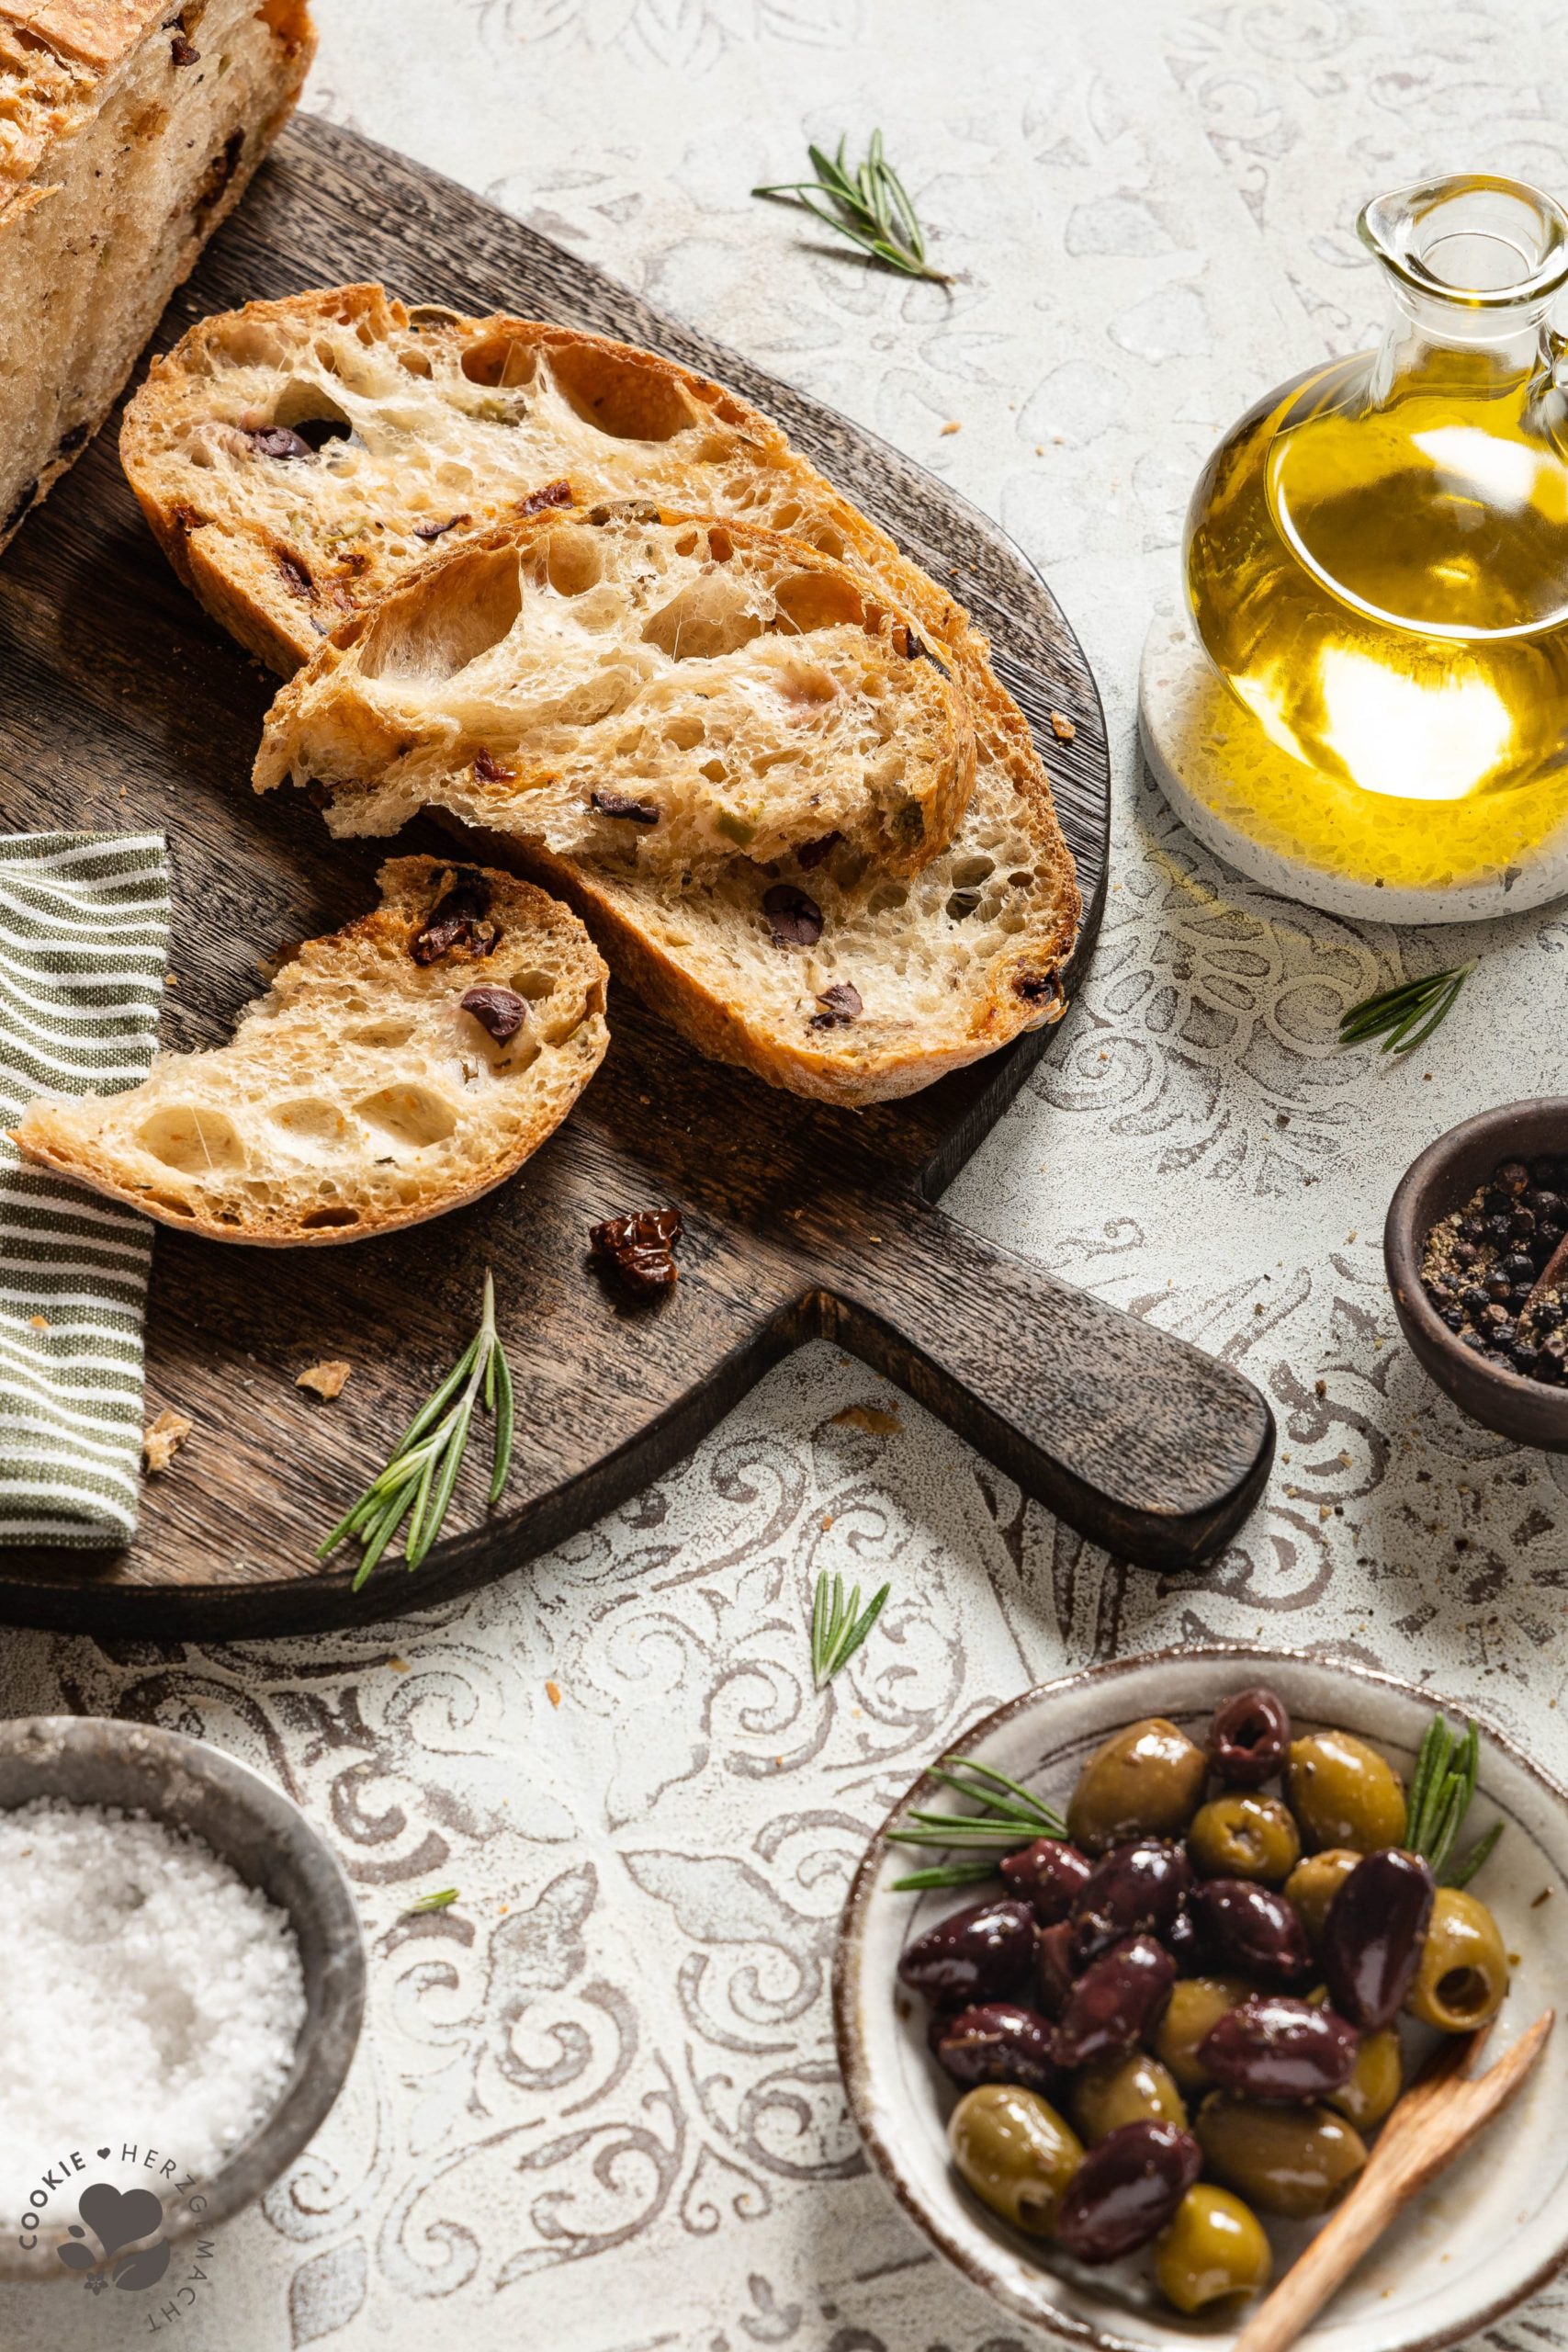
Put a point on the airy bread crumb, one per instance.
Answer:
(327, 1379)
(162, 1438)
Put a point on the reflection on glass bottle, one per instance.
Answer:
(1377, 554)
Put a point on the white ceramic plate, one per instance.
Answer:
(1491, 2232)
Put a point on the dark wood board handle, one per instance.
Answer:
(1134, 1436)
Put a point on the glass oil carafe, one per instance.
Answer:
(1377, 562)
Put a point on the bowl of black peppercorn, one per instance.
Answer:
(1476, 1248)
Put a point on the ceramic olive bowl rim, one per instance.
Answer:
(1508, 1394)
(855, 2064)
(128, 1761)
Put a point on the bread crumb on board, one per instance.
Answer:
(327, 1378)
(1061, 726)
(162, 1438)
(552, 1693)
(874, 1417)
(37, 1323)
(951, 427)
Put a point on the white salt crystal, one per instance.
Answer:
(151, 1998)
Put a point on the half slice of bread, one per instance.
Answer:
(648, 691)
(393, 1071)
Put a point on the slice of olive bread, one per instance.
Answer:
(128, 130)
(294, 458)
(393, 1071)
(642, 689)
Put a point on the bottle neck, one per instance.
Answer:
(1440, 350)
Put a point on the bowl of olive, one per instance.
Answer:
(1126, 1983)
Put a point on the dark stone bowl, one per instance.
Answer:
(1445, 1175)
(100, 1760)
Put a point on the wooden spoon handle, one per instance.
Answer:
(1446, 2117)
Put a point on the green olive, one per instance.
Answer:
(1377, 2078)
(1132, 2089)
(1344, 1793)
(1290, 2159)
(1313, 1885)
(1375, 2082)
(1464, 1970)
(1016, 2154)
(1196, 2002)
(1144, 1783)
(1242, 1836)
(1213, 2251)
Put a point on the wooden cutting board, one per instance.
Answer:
(121, 706)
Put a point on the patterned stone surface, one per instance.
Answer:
(595, 2105)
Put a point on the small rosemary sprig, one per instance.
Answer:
(437, 1902)
(870, 206)
(1441, 1789)
(425, 1460)
(1009, 1818)
(838, 1626)
(1405, 1016)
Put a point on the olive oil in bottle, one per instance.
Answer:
(1377, 562)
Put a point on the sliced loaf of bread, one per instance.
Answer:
(399, 1068)
(647, 691)
(295, 457)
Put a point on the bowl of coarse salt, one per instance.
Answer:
(184, 1981)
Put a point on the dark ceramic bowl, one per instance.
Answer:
(99, 1761)
(1442, 1178)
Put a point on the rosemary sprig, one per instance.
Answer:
(870, 206)
(1405, 1016)
(838, 1626)
(1441, 1788)
(1009, 1818)
(423, 1468)
(437, 1902)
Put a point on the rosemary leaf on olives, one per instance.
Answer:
(1441, 1791)
(1010, 1817)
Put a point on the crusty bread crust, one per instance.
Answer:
(128, 131)
(607, 421)
(649, 690)
(359, 1096)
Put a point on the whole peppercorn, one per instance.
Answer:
(1512, 1177)
(1544, 1204)
(1519, 1266)
(1454, 1318)
(1473, 1341)
(1464, 1253)
(1548, 1315)
(1524, 1357)
(1497, 1284)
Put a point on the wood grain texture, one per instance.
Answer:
(123, 707)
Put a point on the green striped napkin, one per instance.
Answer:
(84, 932)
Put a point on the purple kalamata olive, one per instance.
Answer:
(1126, 2189)
(1049, 1876)
(986, 1953)
(1274, 2048)
(1055, 1971)
(1184, 1943)
(1248, 1738)
(1137, 1890)
(1119, 1998)
(1373, 1934)
(1250, 1930)
(998, 2042)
